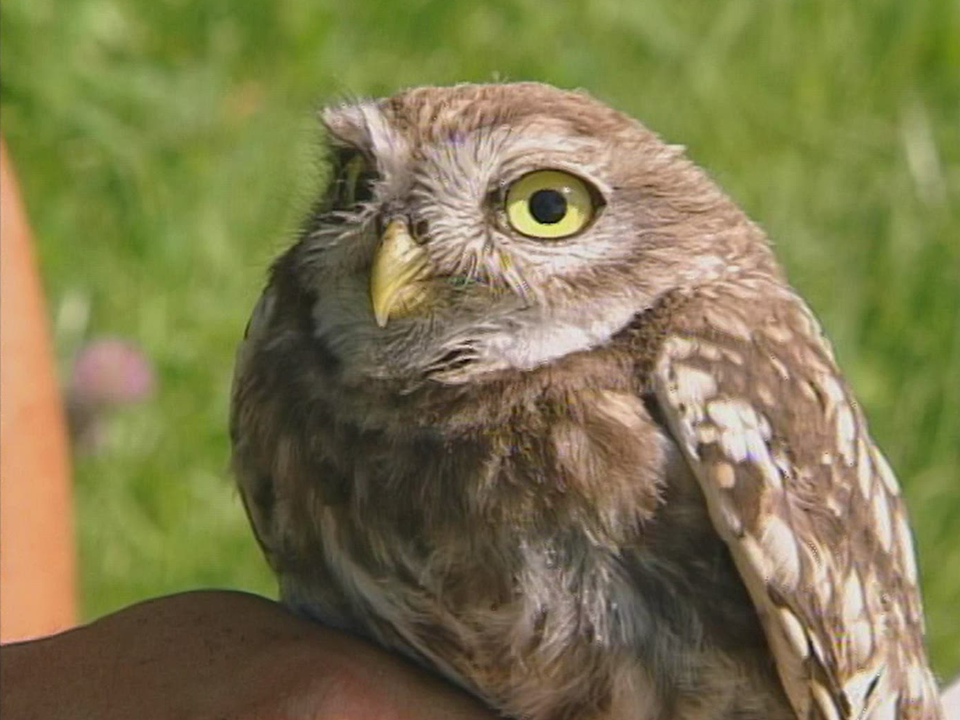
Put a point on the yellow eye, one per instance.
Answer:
(549, 204)
(359, 180)
(355, 178)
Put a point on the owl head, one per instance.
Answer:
(478, 228)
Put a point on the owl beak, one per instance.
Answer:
(399, 266)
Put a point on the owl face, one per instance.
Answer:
(472, 229)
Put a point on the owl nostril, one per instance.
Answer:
(421, 231)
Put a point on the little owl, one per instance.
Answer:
(531, 402)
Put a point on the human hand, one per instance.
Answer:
(217, 654)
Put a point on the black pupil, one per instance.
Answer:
(548, 206)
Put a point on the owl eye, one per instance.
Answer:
(355, 179)
(550, 204)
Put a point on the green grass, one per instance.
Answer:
(166, 150)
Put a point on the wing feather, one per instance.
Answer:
(806, 503)
(256, 487)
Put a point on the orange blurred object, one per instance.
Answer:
(37, 550)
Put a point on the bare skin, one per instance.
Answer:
(37, 564)
(217, 654)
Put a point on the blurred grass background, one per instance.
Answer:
(167, 148)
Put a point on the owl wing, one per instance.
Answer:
(256, 487)
(804, 500)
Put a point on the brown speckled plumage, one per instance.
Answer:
(615, 475)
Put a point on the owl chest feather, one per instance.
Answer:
(531, 560)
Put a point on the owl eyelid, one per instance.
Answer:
(343, 154)
(512, 172)
(498, 191)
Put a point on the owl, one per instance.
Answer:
(530, 402)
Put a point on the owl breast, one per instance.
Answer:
(542, 563)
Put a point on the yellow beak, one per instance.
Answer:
(399, 267)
